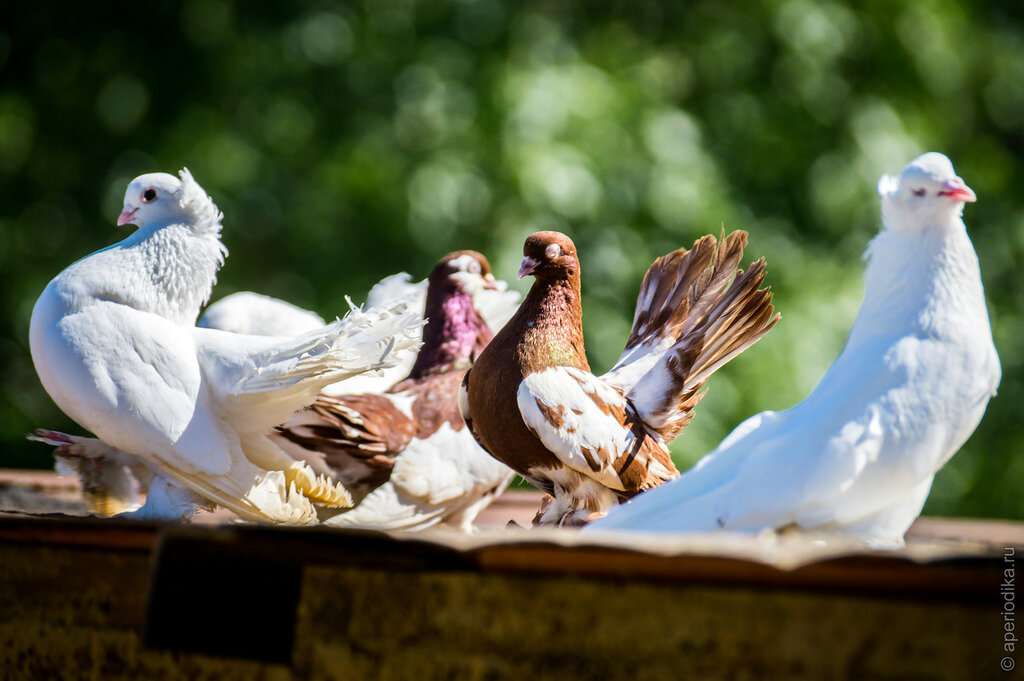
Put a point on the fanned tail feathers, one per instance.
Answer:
(690, 320)
(269, 499)
(363, 340)
(277, 496)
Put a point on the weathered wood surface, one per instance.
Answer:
(112, 599)
(50, 493)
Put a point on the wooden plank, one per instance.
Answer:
(314, 603)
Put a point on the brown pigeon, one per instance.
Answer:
(405, 455)
(588, 441)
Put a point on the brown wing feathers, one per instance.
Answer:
(367, 426)
(665, 293)
(739, 319)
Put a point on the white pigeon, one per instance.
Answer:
(114, 342)
(858, 455)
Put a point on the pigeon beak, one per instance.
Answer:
(490, 283)
(528, 266)
(126, 216)
(957, 190)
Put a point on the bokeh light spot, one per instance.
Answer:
(122, 103)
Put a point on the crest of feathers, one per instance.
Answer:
(197, 204)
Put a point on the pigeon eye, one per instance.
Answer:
(149, 195)
(552, 251)
(474, 267)
(919, 192)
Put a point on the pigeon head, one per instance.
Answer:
(549, 256)
(455, 331)
(158, 199)
(466, 270)
(927, 192)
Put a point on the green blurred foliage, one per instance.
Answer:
(348, 141)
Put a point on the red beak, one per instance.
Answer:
(528, 266)
(958, 191)
(126, 216)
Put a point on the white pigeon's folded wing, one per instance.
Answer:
(135, 378)
(656, 509)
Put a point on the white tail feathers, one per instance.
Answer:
(361, 341)
(290, 375)
(280, 501)
(317, 488)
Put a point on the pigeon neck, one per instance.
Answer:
(551, 326)
(454, 335)
(177, 269)
(927, 279)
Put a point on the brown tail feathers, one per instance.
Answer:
(687, 300)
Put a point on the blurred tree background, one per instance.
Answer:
(348, 141)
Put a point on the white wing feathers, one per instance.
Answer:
(434, 481)
(136, 378)
(359, 342)
(575, 415)
(781, 468)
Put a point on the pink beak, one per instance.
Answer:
(126, 216)
(490, 283)
(528, 266)
(957, 190)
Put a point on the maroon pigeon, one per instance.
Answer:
(405, 455)
(588, 441)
